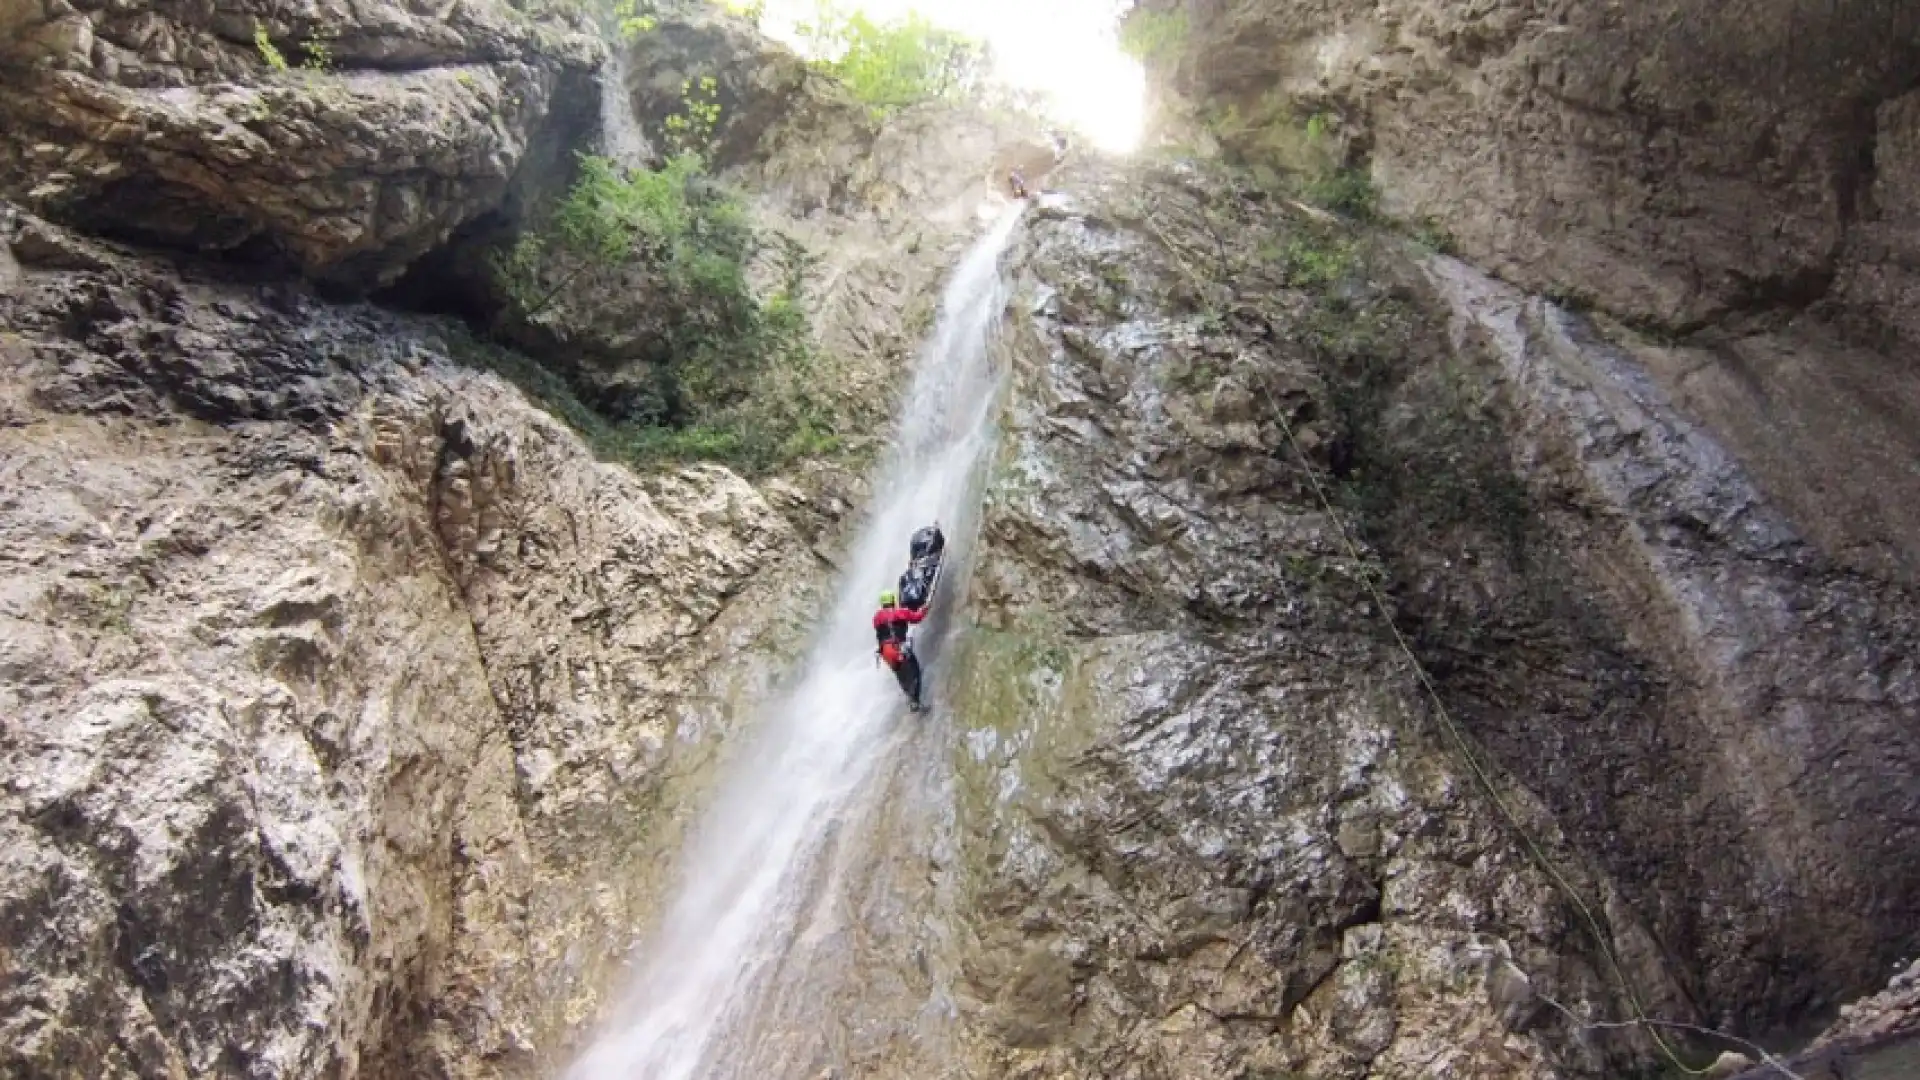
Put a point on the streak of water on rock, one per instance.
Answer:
(751, 866)
(620, 136)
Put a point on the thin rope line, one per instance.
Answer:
(1600, 937)
(1766, 1059)
(1460, 741)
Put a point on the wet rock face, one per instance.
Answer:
(1214, 825)
(357, 139)
(866, 216)
(1704, 676)
(1681, 161)
(342, 687)
(1875, 1037)
(1210, 827)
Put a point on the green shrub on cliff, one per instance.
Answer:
(894, 64)
(634, 17)
(1347, 191)
(751, 10)
(693, 130)
(646, 275)
(269, 53)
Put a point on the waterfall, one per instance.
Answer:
(620, 135)
(760, 849)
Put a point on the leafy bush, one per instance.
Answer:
(1347, 191)
(1151, 36)
(648, 271)
(269, 53)
(634, 17)
(754, 11)
(894, 64)
(315, 53)
(691, 130)
(1314, 260)
(318, 55)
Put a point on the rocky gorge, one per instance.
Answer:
(1426, 637)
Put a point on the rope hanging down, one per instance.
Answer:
(1641, 1019)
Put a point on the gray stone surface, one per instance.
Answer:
(1681, 161)
(384, 128)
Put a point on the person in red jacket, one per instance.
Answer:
(891, 625)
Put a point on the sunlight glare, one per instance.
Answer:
(1065, 50)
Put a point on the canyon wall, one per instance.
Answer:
(1215, 823)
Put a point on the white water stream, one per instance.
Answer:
(620, 136)
(750, 865)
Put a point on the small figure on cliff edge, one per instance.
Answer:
(1017, 183)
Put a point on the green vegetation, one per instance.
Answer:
(1316, 258)
(1413, 476)
(1346, 191)
(751, 10)
(729, 439)
(894, 64)
(634, 17)
(268, 52)
(1409, 475)
(1305, 157)
(707, 368)
(691, 130)
(1151, 36)
(112, 607)
(318, 55)
(315, 54)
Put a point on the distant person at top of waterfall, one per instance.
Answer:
(1018, 183)
(892, 625)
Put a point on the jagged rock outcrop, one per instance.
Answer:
(1875, 1036)
(355, 139)
(1686, 162)
(1893, 1011)
(346, 696)
(1760, 704)
(354, 707)
(1213, 825)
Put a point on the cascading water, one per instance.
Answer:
(620, 136)
(761, 853)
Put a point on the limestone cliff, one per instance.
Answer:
(1737, 180)
(1714, 417)
(345, 139)
(342, 684)
(1216, 827)
(1373, 668)
(1686, 162)
(352, 707)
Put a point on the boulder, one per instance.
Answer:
(344, 140)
